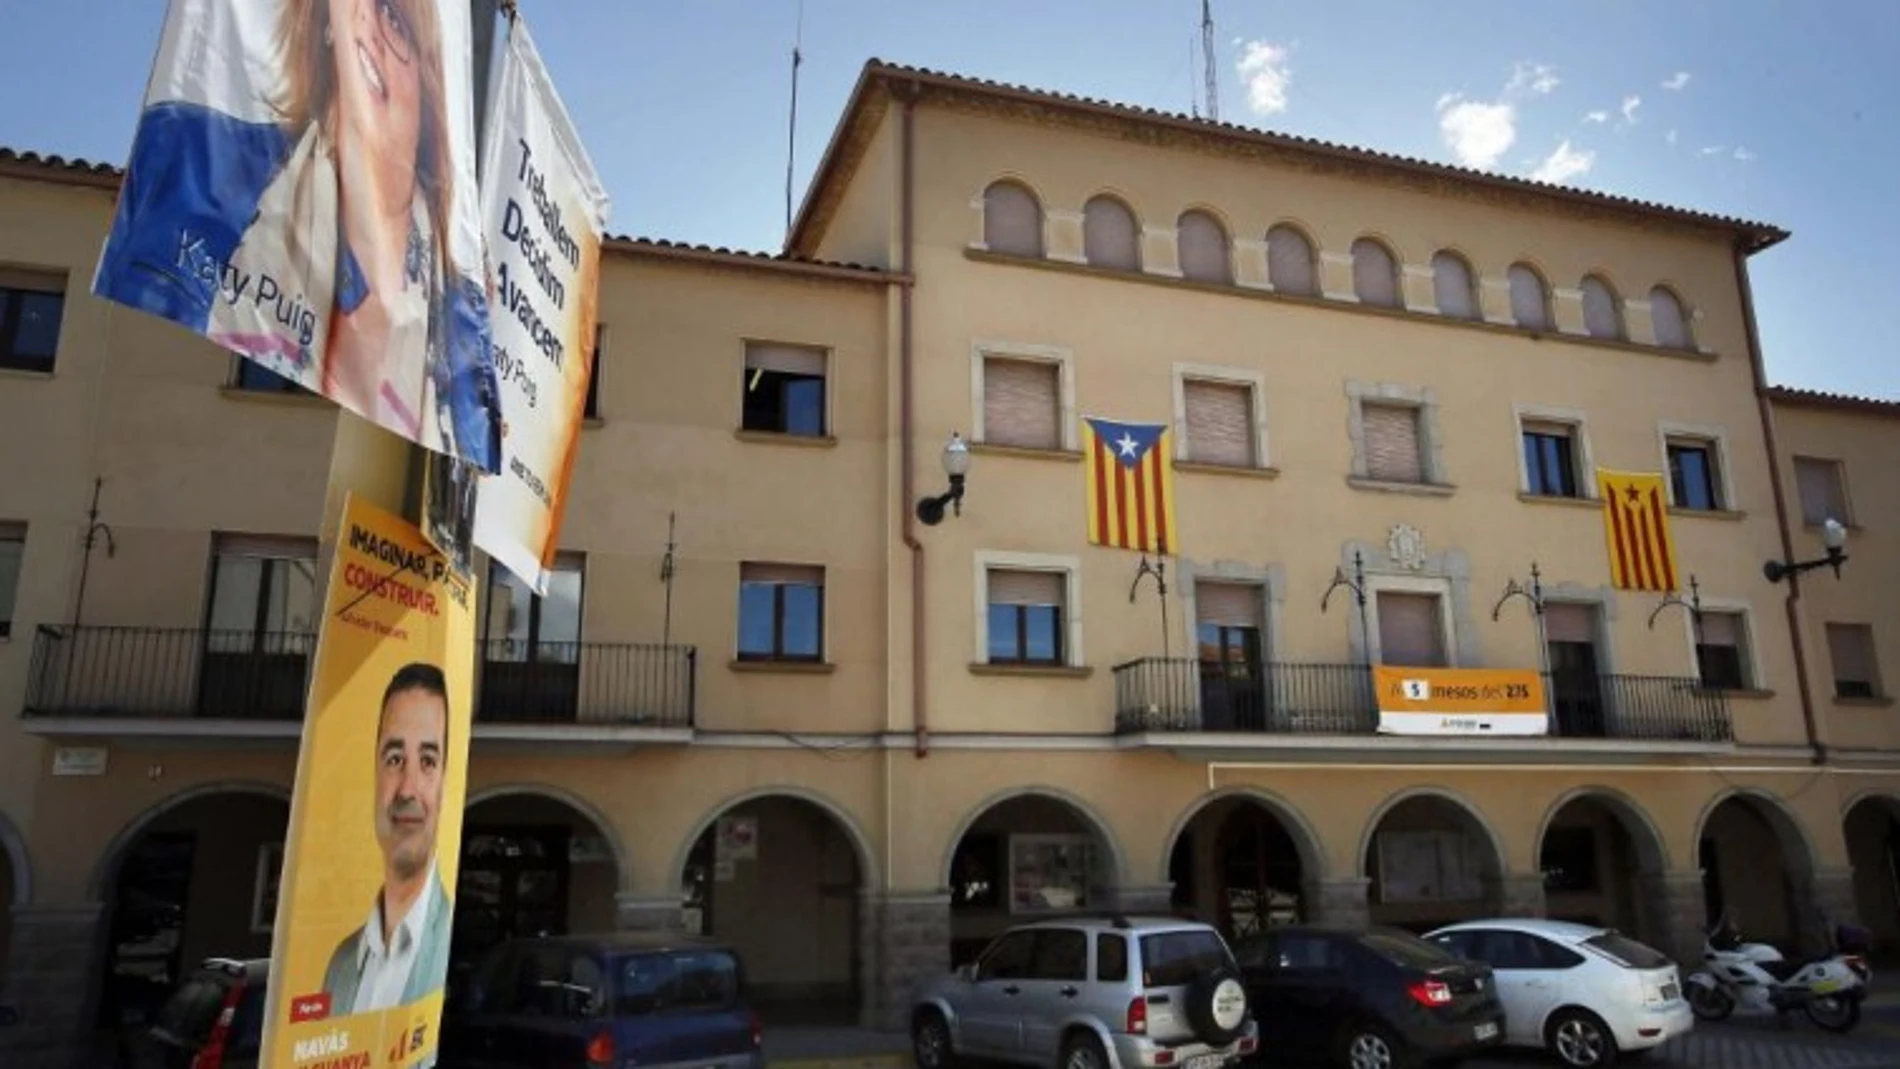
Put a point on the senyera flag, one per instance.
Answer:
(545, 213)
(1130, 485)
(301, 191)
(1636, 527)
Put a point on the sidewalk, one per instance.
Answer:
(837, 1047)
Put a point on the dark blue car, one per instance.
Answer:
(590, 1002)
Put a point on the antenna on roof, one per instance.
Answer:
(1194, 98)
(1210, 71)
(791, 134)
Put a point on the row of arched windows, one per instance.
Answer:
(1111, 238)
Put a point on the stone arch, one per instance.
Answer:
(868, 871)
(106, 871)
(1794, 838)
(19, 861)
(1652, 850)
(1118, 859)
(1306, 840)
(1444, 794)
(623, 868)
(1872, 795)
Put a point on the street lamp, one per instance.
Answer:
(956, 463)
(1833, 538)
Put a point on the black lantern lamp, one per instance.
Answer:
(1833, 539)
(956, 464)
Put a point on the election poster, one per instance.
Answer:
(545, 213)
(364, 913)
(301, 191)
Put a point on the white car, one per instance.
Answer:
(1586, 994)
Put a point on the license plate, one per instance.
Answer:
(1205, 1061)
(1485, 1031)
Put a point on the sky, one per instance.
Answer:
(1774, 110)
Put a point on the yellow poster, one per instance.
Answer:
(361, 948)
(1460, 701)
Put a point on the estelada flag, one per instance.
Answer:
(1131, 485)
(1636, 523)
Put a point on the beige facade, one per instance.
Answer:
(929, 731)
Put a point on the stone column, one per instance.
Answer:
(1822, 899)
(1335, 277)
(1250, 264)
(1342, 901)
(637, 913)
(52, 979)
(1675, 916)
(1494, 299)
(1062, 238)
(1160, 251)
(1566, 310)
(1519, 894)
(907, 941)
(1418, 291)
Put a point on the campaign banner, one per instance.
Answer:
(360, 951)
(301, 191)
(1460, 701)
(545, 213)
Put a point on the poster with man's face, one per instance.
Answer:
(301, 191)
(366, 911)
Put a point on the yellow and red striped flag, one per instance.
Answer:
(1636, 523)
(1131, 485)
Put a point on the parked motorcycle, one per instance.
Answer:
(1755, 979)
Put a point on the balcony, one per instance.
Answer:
(157, 682)
(1332, 706)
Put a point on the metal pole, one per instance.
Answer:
(666, 576)
(1359, 592)
(1161, 591)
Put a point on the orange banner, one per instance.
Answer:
(1460, 701)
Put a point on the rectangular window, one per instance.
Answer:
(1411, 629)
(1721, 651)
(1022, 403)
(592, 411)
(1692, 475)
(31, 308)
(784, 389)
(1851, 647)
(260, 627)
(255, 377)
(1823, 490)
(522, 628)
(1220, 423)
(1111, 959)
(1550, 460)
(12, 553)
(1393, 451)
(781, 612)
(1025, 617)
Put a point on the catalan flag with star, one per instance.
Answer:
(1636, 523)
(1131, 485)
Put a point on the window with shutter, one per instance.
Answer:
(1851, 647)
(1025, 615)
(1227, 604)
(1202, 245)
(1392, 443)
(1692, 474)
(1290, 262)
(1220, 423)
(1410, 630)
(784, 389)
(1452, 286)
(781, 612)
(1569, 621)
(1530, 298)
(1375, 274)
(1721, 656)
(1022, 403)
(1668, 320)
(1601, 316)
(1110, 237)
(1823, 493)
(1012, 220)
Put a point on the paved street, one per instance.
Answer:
(1761, 1045)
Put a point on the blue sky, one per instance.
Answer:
(1767, 109)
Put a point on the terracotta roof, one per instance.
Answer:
(1794, 396)
(1757, 236)
(77, 170)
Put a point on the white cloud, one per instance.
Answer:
(1539, 78)
(1676, 80)
(1264, 71)
(1564, 163)
(1630, 104)
(1476, 132)
(1596, 116)
(1712, 150)
(1744, 155)
(1671, 137)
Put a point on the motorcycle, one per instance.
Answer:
(1755, 979)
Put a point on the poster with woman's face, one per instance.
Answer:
(301, 191)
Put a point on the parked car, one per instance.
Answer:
(1584, 993)
(213, 1020)
(1091, 993)
(1368, 998)
(573, 1002)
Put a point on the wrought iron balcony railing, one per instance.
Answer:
(162, 673)
(1181, 694)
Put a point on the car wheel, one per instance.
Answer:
(1084, 1051)
(930, 1042)
(1367, 1046)
(1581, 1040)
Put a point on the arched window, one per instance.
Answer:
(1290, 262)
(1375, 274)
(1530, 298)
(1451, 286)
(1669, 321)
(1110, 237)
(1012, 220)
(1602, 312)
(1202, 245)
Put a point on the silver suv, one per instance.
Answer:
(1091, 993)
